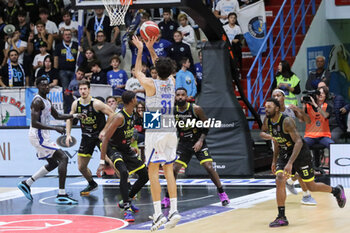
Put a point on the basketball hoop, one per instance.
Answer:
(116, 10)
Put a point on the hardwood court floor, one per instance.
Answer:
(250, 211)
(325, 217)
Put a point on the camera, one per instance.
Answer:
(309, 93)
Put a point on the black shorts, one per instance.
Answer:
(129, 157)
(302, 165)
(87, 145)
(185, 151)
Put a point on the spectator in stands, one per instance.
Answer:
(65, 58)
(105, 50)
(234, 34)
(55, 8)
(88, 57)
(317, 131)
(161, 45)
(31, 7)
(134, 85)
(35, 39)
(48, 71)
(111, 101)
(116, 77)
(12, 74)
(73, 88)
(138, 121)
(13, 42)
(154, 73)
(338, 120)
(2, 36)
(186, 30)
(11, 12)
(67, 23)
(225, 7)
(287, 81)
(98, 75)
(167, 26)
(319, 75)
(50, 26)
(100, 22)
(38, 61)
(24, 27)
(178, 50)
(185, 79)
(199, 72)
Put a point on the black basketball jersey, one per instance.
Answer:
(123, 134)
(284, 140)
(186, 126)
(95, 121)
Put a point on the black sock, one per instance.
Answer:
(167, 194)
(220, 190)
(335, 191)
(281, 210)
(92, 182)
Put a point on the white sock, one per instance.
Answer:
(307, 193)
(157, 208)
(290, 181)
(40, 173)
(173, 205)
(61, 191)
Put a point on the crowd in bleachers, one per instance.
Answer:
(40, 37)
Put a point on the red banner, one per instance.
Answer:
(342, 2)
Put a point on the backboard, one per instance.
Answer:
(90, 4)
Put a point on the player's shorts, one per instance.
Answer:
(160, 147)
(44, 146)
(185, 151)
(302, 165)
(130, 158)
(87, 145)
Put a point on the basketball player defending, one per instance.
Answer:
(192, 141)
(39, 137)
(293, 112)
(91, 126)
(291, 154)
(160, 143)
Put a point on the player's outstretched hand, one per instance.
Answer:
(100, 169)
(150, 42)
(138, 43)
(60, 129)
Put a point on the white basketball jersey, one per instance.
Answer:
(45, 116)
(289, 112)
(164, 99)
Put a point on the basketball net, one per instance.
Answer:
(116, 10)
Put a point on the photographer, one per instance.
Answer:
(338, 119)
(317, 131)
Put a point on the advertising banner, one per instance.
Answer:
(18, 156)
(12, 107)
(339, 162)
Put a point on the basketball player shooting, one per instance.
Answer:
(160, 144)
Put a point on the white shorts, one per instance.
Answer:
(44, 147)
(160, 147)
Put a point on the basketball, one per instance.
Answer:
(148, 30)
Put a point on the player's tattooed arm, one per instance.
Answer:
(263, 134)
(290, 128)
(116, 122)
(36, 107)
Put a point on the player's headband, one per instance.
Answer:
(278, 90)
